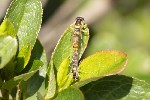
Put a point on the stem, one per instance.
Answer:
(18, 94)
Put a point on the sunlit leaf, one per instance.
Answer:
(8, 48)
(25, 15)
(7, 28)
(8, 43)
(70, 94)
(101, 64)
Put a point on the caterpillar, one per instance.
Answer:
(77, 35)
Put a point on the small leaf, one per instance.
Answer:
(101, 64)
(117, 87)
(7, 28)
(70, 94)
(26, 17)
(23, 57)
(14, 81)
(62, 73)
(67, 82)
(8, 49)
(64, 76)
(51, 84)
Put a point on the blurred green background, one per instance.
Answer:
(125, 27)
(114, 25)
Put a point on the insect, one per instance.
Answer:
(77, 35)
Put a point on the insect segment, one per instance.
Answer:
(77, 35)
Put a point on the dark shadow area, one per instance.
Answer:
(108, 88)
(33, 84)
(7, 72)
(30, 87)
(50, 7)
(13, 92)
(20, 64)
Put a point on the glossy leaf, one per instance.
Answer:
(101, 64)
(70, 94)
(25, 15)
(116, 87)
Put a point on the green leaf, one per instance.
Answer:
(117, 87)
(51, 83)
(62, 71)
(64, 48)
(70, 94)
(36, 63)
(101, 64)
(23, 57)
(14, 81)
(8, 43)
(64, 78)
(25, 15)
(8, 49)
(7, 28)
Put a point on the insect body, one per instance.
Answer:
(77, 35)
